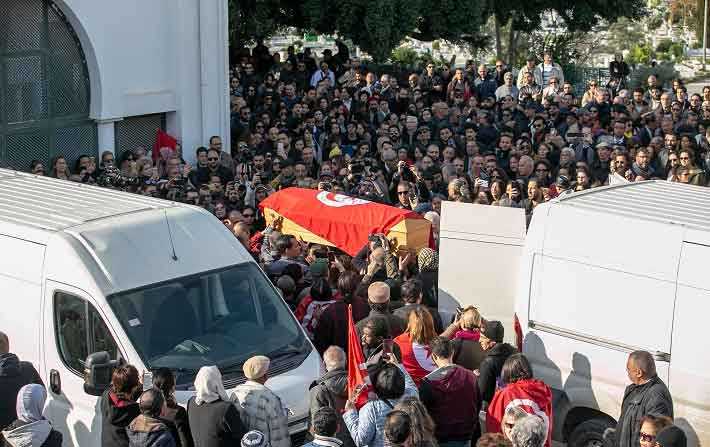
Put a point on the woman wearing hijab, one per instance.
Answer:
(31, 429)
(428, 263)
(214, 420)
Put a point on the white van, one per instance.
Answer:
(608, 271)
(154, 283)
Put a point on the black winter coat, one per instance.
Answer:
(491, 367)
(331, 390)
(215, 424)
(14, 374)
(652, 397)
(116, 416)
(178, 417)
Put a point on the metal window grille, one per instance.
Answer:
(137, 131)
(44, 87)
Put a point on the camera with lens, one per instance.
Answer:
(113, 177)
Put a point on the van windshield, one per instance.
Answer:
(215, 318)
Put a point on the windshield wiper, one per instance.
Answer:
(288, 352)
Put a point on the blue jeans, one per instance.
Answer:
(455, 444)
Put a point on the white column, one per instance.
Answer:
(107, 134)
(214, 55)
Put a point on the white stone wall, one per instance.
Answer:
(156, 56)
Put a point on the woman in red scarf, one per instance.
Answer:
(520, 390)
(414, 344)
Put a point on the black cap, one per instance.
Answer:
(493, 330)
(671, 436)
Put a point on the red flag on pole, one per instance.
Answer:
(162, 139)
(358, 380)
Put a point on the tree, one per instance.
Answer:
(623, 35)
(378, 26)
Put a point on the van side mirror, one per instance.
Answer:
(97, 373)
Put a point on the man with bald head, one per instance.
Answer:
(14, 374)
(331, 389)
(378, 297)
(647, 394)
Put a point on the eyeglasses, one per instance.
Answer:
(645, 437)
(685, 158)
(212, 159)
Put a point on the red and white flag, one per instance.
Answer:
(358, 379)
(531, 395)
(163, 139)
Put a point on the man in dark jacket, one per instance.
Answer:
(378, 297)
(647, 394)
(412, 296)
(14, 374)
(497, 353)
(451, 395)
(331, 390)
(148, 430)
(372, 338)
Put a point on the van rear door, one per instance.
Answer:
(690, 368)
(479, 254)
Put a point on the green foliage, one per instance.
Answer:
(404, 56)
(568, 48)
(640, 54)
(664, 45)
(379, 26)
(623, 35)
(665, 72)
(667, 50)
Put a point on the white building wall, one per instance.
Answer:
(156, 56)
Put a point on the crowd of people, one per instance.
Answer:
(465, 134)
(447, 133)
(423, 394)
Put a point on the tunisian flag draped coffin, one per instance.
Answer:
(342, 221)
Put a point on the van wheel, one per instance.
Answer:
(589, 433)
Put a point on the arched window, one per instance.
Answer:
(44, 87)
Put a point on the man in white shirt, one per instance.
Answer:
(548, 69)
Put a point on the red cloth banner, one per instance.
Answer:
(344, 221)
(357, 371)
(531, 395)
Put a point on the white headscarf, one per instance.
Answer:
(209, 386)
(30, 402)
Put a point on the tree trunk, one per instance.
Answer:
(511, 44)
(498, 42)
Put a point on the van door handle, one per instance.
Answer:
(55, 382)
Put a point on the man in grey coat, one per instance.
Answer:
(647, 394)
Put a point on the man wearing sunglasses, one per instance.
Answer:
(213, 168)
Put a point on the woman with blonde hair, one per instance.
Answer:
(465, 332)
(414, 344)
(422, 434)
